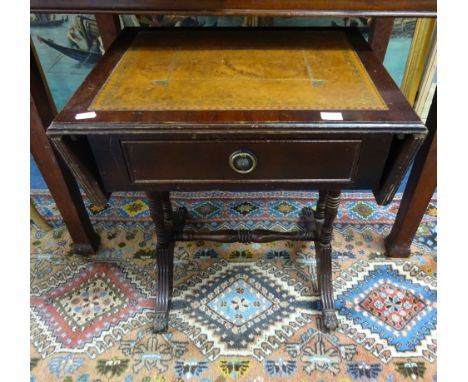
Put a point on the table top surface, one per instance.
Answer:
(316, 71)
(400, 8)
(152, 77)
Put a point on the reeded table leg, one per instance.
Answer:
(164, 258)
(324, 249)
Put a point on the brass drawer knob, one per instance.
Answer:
(242, 161)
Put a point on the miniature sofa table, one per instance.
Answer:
(238, 109)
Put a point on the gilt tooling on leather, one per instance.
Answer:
(310, 71)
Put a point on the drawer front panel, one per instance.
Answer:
(153, 161)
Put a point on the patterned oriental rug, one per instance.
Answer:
(239, 312)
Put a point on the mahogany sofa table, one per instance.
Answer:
(63, 187)
(422, 180)
(238, 109)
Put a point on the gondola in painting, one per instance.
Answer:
(84, 42)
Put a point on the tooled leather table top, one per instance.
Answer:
(314, 71)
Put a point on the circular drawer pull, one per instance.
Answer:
(242, 161)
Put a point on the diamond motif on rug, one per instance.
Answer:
(245, 208)
(248, 309)
(284, 208)
(90, 303)
(205, 209)
(240, 302)
(134, 208)
(87, 303)
(363, 210)
(391, 306)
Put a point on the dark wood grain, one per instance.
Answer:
(320, 209)
(164, 261)
(58, 178)
(379, 35)
(418, 193)
(109, 28)
(83, 173)
(245, 236)
(402, 153)
(421, 8)
(324, 267)
(167, 208)
(150, 162)
(157, 215)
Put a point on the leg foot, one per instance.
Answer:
(396, 250)
(330, 322)
(87, 248)
(161, 322)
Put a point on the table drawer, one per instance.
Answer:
(147, 163)
(245, 161)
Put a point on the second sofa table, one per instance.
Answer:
(238, 109)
